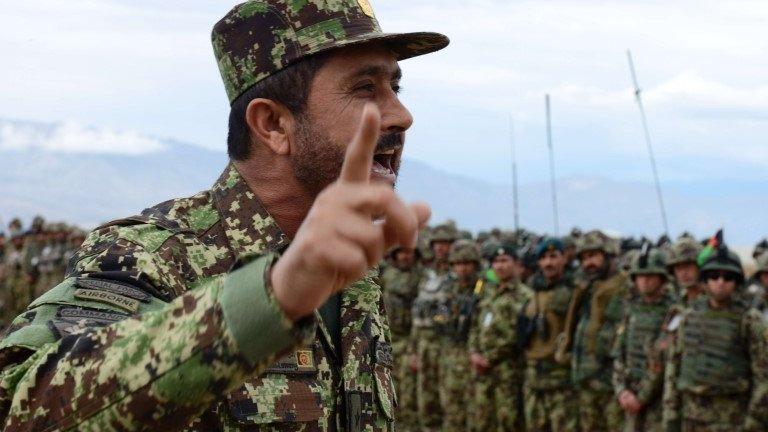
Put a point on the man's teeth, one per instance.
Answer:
(388, 152)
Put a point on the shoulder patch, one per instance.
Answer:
(114, 287)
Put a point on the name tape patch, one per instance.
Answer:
(129, 304)
(114, 287)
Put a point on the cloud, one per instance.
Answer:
(71, 137)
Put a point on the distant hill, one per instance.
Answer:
(92, 180)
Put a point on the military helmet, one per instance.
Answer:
(443, 232)
(649, 261)
(685, 250)
(760, 248)
(762, 263)
(594, 240)
(723, 259)
(464, 251)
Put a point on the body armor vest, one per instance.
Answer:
(430, 307)
(714, 358)
(643, 329)
(461, 307)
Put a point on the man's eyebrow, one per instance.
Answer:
(377, 70)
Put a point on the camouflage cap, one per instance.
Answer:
(260, 37)
(445, 232)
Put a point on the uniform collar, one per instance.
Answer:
(249, 227)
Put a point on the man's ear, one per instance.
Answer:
(270, 124)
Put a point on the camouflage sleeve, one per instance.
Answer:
(671, 403)
(504, 331)
(619, 377)
(757, 338)
(84, 364)
(473, 343)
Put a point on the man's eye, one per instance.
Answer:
(366, 88)
(397, 88)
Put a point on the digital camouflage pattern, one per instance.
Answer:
(260, 37)
(400, 288)
(638, 361)
(497, 402)
(153, 331)
(548, 391)
(716, 377)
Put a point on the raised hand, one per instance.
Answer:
(349, 227)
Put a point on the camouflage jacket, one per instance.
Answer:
(166, 323)
(638, 359)
(494, 332)
(400, 288)
(752, 336)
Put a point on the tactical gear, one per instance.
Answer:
(258, 38)
(683, 251)
(594, 240)
(428, 308)
(643, 328)
(464, 251)
(723, 259)
(649, 262)
(715, 358)
(399, 288)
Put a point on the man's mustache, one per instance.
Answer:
(390, 141)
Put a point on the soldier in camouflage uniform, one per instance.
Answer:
(494, 350)
(428, 320)
(548, 390)
(249, 306)
(717, 373)
(682, 264)
(590, 326)
(759, 292)
(463, 288)
(400, 286)
(637, 368)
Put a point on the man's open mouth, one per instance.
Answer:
(385, 164)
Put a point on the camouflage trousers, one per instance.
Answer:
(428, 382)
(455, 390)
(599, 410)
(647, 420)
(714, 413)
(405, 383)
(497, 401)
(550, 410)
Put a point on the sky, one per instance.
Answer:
(137, 69)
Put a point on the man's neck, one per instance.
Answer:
(286, 200)
(719, 304)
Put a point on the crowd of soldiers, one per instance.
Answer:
(32, 261)
(510, 331)
(513, 332)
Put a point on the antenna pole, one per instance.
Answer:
(648, 143)
(555, 216)
(515, 202)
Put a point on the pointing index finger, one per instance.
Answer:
(359, 156)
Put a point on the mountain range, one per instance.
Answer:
(88, 175)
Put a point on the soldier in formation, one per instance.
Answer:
(495, 351)
(32, 262)
(637, 366)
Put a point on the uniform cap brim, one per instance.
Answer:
(404, 45)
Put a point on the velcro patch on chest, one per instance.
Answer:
(114, 287)
(300, 361)
(382, 354)
(123, 302)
